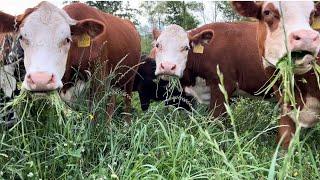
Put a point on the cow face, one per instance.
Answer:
(46, 33)
(172, 47)
(284, 28)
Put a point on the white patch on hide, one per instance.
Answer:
(201, 92)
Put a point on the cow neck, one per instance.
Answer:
(193, 69)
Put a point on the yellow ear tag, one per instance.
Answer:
(84, 41)
(316, 23)
(198, 49)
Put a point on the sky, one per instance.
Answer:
(16, 7)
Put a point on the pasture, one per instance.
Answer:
(53, 139)
(162, 143)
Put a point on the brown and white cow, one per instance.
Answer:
(57, 41)
(232, 46)
(285, 27)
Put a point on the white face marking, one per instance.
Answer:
(44, 35)
(172, 42)
(295, 18)
(8, 82)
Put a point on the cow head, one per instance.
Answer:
(172, 47)
(285, 27)
(46, 33)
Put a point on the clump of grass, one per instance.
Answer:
(41, 107)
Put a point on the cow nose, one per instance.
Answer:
(306, 40)
(40, 81)
(167, 67)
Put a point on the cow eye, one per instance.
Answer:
(157, 45)
(266, 13)
(186, 48)
(68, 40)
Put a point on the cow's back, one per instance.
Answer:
(119, 39)
(234, 48)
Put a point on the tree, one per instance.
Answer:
(172, 12)
(227, 11)
(178, 13)
(117, 8)
(106, 6)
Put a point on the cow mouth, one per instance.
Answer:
(298, 56)
(302, 61)
(166, 77)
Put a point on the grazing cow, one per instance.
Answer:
(148, 89)
(58, 43)
(11, 72)
(285, 27)
(232, 46)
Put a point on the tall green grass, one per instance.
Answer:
(163, 143)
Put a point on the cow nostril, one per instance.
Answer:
(51, 80)
(295, 37)
(162, 67)
(173, 67)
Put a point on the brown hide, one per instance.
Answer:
(235, 49)
(119, 39)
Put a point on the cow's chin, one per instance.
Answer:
(165, 75)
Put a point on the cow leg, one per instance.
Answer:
(144, 101)
(217, 98)
(286, 130)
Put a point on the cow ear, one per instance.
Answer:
(91, 27)
(155, 33)
(203, 37)
(247, 8)
(7, 22)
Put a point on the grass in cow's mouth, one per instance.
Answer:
(41, 107)
(284, 76)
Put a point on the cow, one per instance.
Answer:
(58, 42)
(283, 28)
(148, 89)
(11, 73)
(199, 52)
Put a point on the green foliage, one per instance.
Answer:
(228, 13)
(146, 44)
(107, 6)
(118, 8)
(178, 13)
(172, 12)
